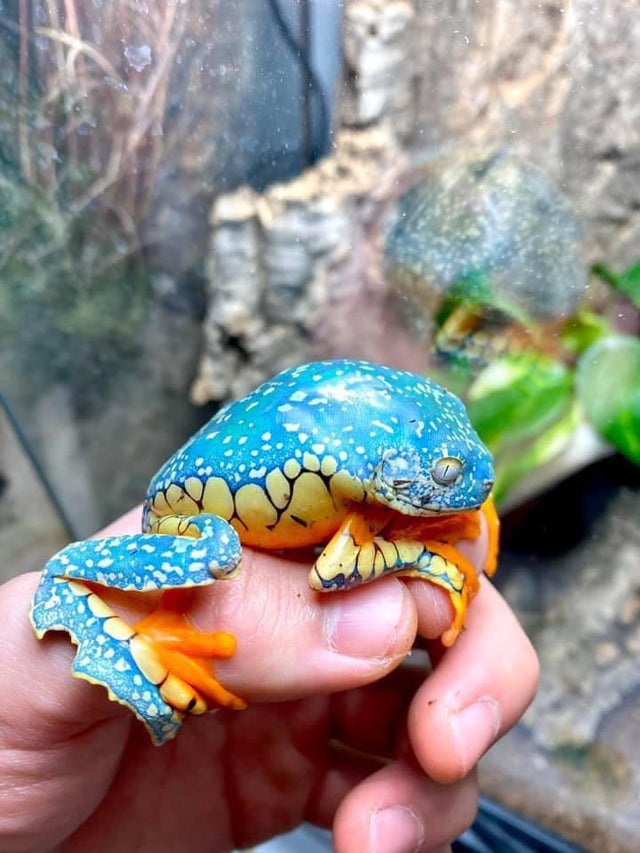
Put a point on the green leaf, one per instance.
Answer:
(608, 387)
(476, 293)
(517, 397)
(627, 282)
(471, 292)
(583, 329)
(517, 461)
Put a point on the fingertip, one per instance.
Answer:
(399, 808)
(449, 738)
(376, 620)
(479, 689)
(433, 608)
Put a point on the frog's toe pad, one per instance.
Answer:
(173, 689)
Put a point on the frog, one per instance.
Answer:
(377, 469)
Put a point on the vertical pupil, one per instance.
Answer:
(446, 471)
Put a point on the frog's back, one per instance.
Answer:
(283, 463)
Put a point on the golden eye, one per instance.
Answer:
(446, 470)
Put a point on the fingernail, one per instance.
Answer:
(395, 830)
(474, 730)
(365, 622)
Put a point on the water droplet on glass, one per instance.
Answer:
(138, 55)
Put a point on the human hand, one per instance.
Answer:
(336, 732)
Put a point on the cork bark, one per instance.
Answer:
(554, 83)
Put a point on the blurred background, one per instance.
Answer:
(196, 195)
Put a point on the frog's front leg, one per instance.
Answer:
(158, 667)
(373, 541)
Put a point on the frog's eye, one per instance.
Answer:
(446, 470)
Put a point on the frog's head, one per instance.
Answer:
(438, 467)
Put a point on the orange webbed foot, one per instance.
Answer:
(176, 657)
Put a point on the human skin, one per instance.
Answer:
(339, 731)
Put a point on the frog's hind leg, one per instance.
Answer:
(353, 556)
(451, 570)
(443, 565)
(158, 667)
(373, 541)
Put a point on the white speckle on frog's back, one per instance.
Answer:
(363, 408)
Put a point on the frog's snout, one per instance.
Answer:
(486, 487)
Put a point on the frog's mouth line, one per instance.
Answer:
(424, 512)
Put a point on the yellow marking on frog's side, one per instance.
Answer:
(310, 517)
(194, 488)
(241, 530)
(180, 502)
(278, 487)
(311, 500)
(160, 505)
(174, 525)
(310, 461)
(328, 466)
(254, 508)
(173, 494)
(291, 468)
(344, 486)
(217, 498)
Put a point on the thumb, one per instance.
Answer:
(293, 641)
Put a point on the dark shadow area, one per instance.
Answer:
(561, 518)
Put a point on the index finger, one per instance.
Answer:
(480, 688)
